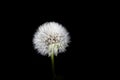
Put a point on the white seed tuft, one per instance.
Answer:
(51, 37)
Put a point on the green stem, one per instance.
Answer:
(52, 60)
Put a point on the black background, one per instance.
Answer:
(93, 31)
(91, 54)
(85, 57)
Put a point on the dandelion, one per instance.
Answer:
(50, 39)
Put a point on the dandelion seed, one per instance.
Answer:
(51, 37)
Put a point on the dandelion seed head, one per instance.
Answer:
(51, 37)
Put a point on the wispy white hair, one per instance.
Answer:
(51, 37)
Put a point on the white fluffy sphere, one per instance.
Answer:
(51, 37)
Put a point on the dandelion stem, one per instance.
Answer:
(52, 60)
